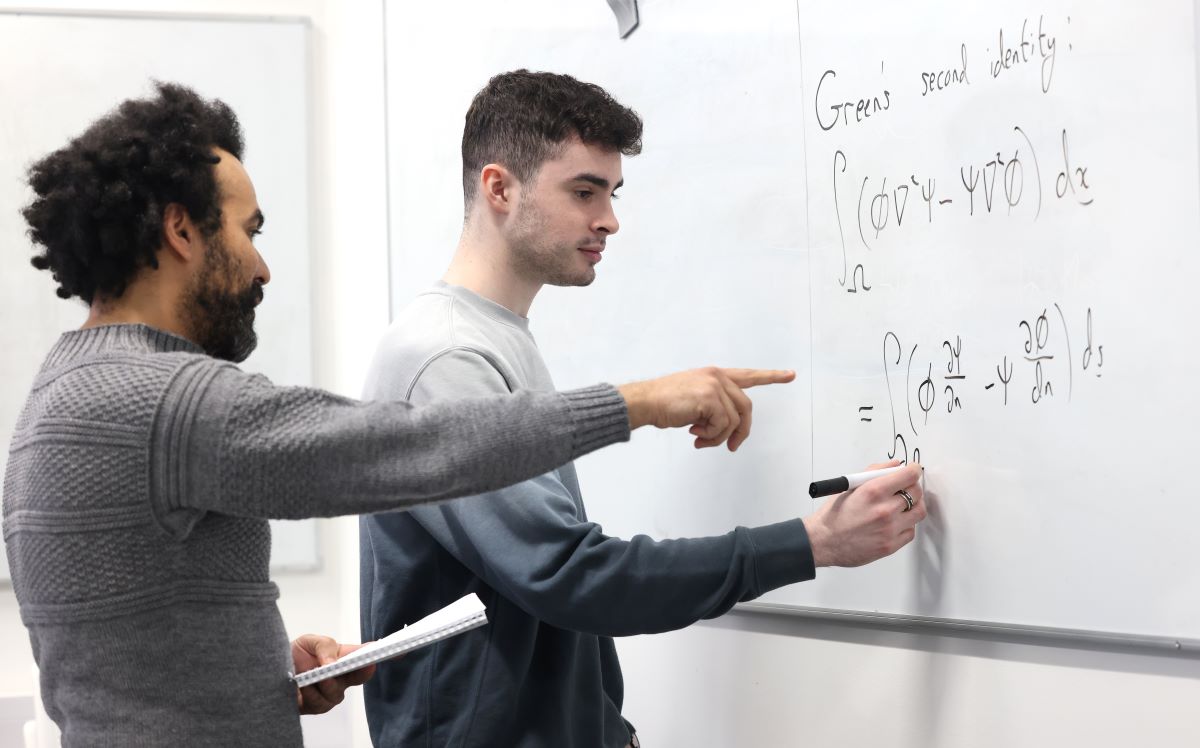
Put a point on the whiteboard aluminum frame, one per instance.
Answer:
(1048, 635)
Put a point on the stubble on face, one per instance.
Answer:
(219, 312)
(538, 255)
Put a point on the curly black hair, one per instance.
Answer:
(521, 118)
(98, 206)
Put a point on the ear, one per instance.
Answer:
(181, 237)
(497, 188)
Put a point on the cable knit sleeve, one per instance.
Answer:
(234, 443)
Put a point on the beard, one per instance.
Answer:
(536, 256)
(222, 320)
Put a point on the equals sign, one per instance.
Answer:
(867, 410)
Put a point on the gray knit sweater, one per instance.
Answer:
(140, 477)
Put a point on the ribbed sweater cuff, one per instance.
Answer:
(601, 418)
(783, 555)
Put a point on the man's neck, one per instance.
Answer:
(137, 306)
(483, 267)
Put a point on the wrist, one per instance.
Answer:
(636, 404)
(818, 541)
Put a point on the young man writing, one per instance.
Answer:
(541, 163)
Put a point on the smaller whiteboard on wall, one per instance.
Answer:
(69, 70)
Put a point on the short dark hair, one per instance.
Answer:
(520, 119)
(99, 201)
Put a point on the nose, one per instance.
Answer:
(263, 273)
(607, 222)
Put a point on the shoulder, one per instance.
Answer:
(436, 321)
(437, 338)
(121, 379)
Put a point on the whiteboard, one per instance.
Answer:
(1056, 474)
(60, 73)
(1022, 331)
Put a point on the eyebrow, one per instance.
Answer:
(598, 181)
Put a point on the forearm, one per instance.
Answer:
(267, 451)
(655, 586)
(528, 546)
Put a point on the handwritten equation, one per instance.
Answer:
(1005, 181)
(1022, 171)
(1032, 162)
(927, 385)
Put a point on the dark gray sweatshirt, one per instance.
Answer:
(140, 478)
(544, 672)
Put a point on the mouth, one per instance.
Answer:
(592, 252)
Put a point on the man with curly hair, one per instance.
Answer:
(145, 464)
(541, 165)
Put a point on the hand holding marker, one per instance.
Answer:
(854, 528)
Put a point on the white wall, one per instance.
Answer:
(745, 680)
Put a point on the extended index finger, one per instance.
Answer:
(754, 377)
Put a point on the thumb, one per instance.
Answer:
(880, 465)
(904, 478)
(322, 648)
(326, 650)
(345, 649)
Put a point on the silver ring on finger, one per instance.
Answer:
(908, 500)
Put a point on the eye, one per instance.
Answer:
(615, 196)
(583, 194)
(254, 233)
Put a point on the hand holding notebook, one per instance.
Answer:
(313, 650)
(462, 615)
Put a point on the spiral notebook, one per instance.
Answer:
(462, 615)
